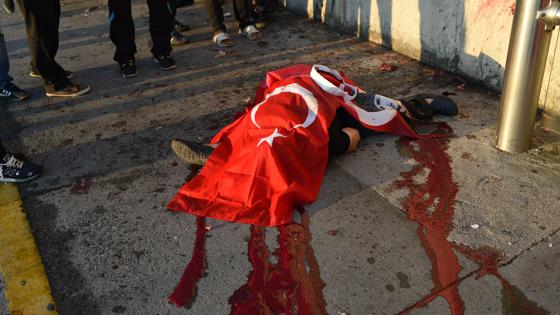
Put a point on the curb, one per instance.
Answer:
(26, 285)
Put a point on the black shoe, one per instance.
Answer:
(417, 109)
(441, 105)
(191, 152)
(35, 74)
(180, 27)
(178, 39)
(9, 6)
(17, 170)
(165, 62)
(71, 90)
(128, 68)
(12, 91)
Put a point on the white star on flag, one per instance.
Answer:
(270, 139)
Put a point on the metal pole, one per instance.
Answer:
(528, 50)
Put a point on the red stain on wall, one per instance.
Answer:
(494, 7)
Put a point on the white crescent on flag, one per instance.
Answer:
(310, 102)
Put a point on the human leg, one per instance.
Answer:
(41, 23)
(2, 149)
(7, 88)
(5, 77)
(215, 16)
(177, 39)
(122, 33)
(242, 14)
(178, 27)
(161, 24)
(246, 20)
(342, 138)
(172, 5)
(121, 30)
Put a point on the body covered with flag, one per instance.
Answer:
(274, 156)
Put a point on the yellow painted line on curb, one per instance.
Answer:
(26, 285)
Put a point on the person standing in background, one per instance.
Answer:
(41, 22)
(243, 16)
(121, 32)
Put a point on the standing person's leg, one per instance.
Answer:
(243, 16)
(177, 26)
(257, 13)
(215, 16)
(2, 150)
(172, 4)
(41, 22)
(5, 78)
(269, 8)
(177, 39)
(121, 32)
(121, 29)
(161, 24)
(7, 88)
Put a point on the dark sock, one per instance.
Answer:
(3, 151)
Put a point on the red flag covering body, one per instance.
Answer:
(274, 156)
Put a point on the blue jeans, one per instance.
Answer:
(5, 78)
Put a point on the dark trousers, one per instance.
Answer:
(41, 22)
(5, 78)
(338, 139)
(263, 8)
(3, 150)
(121, 28)
(172, 4)
(216, 14)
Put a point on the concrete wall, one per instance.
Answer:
(468, 37)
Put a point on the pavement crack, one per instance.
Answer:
(509, 261)
(429, 298)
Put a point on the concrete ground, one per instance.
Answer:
(110, 246)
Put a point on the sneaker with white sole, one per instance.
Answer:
(178, 39)
(165, 62)
(36, 74)
(180, 27)
(128, 68)
(72, 90)
(17, 170)
(13, 92)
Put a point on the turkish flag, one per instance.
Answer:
(274, 156)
